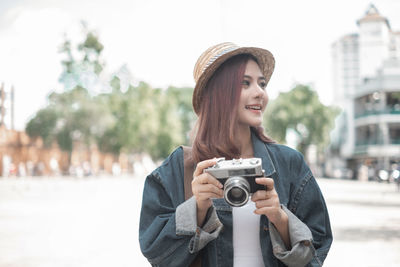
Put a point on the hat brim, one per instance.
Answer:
(264, 58)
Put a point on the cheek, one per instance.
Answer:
(243, 99)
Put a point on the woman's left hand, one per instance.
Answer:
(267, 202)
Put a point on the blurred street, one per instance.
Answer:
(48, 222)
(365, 218)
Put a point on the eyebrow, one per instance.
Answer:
(249, 77)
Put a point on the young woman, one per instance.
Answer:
(285, 224)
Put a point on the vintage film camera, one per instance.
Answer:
(238, 177)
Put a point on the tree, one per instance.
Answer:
(169, 129)
(135, 119)
(82, 63)
(73, 114)
(183, 98)
(144, 120)
(43, 125)
(300, 111)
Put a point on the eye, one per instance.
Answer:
(246, 83)
(263, 84)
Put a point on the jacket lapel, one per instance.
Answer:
(260, 151)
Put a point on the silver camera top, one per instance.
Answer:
(236, 167)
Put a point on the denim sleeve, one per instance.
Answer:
(300, 238)
(186, 224)
(168, 232)
(310, 207)
(158, 240)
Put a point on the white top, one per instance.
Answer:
(246, 236)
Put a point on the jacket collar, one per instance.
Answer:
(260, 151)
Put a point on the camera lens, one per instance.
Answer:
(236, 195)
(237, 191)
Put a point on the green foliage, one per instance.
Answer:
(82, 63)
(139, 119)
(91, 49)
(43, 125)
(71, 115)
(301, 111)
(145, 120)
(133, 128)
(183, 99)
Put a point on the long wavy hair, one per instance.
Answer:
(215, 128)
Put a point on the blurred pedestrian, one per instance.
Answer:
(396, 176)
(286, 222)
(21, 169)
(54, 167)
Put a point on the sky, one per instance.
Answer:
(159, 41)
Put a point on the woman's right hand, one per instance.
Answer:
(205, 187)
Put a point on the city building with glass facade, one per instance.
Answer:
(366, 80)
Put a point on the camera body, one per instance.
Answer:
(238, 177)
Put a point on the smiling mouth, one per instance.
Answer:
(251, 107)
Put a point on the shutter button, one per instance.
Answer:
(253, 161)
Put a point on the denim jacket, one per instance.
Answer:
(168, 231)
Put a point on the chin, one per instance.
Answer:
(251, 122)
(255, 124)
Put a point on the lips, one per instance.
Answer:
(253, 107)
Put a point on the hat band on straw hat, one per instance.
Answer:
(229, 49)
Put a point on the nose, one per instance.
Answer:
(258, 91)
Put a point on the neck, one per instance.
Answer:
(243, 139)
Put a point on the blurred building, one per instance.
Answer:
(21, 155)
(366, 79)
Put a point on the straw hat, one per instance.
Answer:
(214, 56)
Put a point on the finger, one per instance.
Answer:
(206, 178)
(268, 182)
(266, 203)
(210, 188)
(202, 165)
(264, 210)
(262, 194)
(205, 196)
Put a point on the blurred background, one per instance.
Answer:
(94, 95)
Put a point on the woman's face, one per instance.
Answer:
(253, 98)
